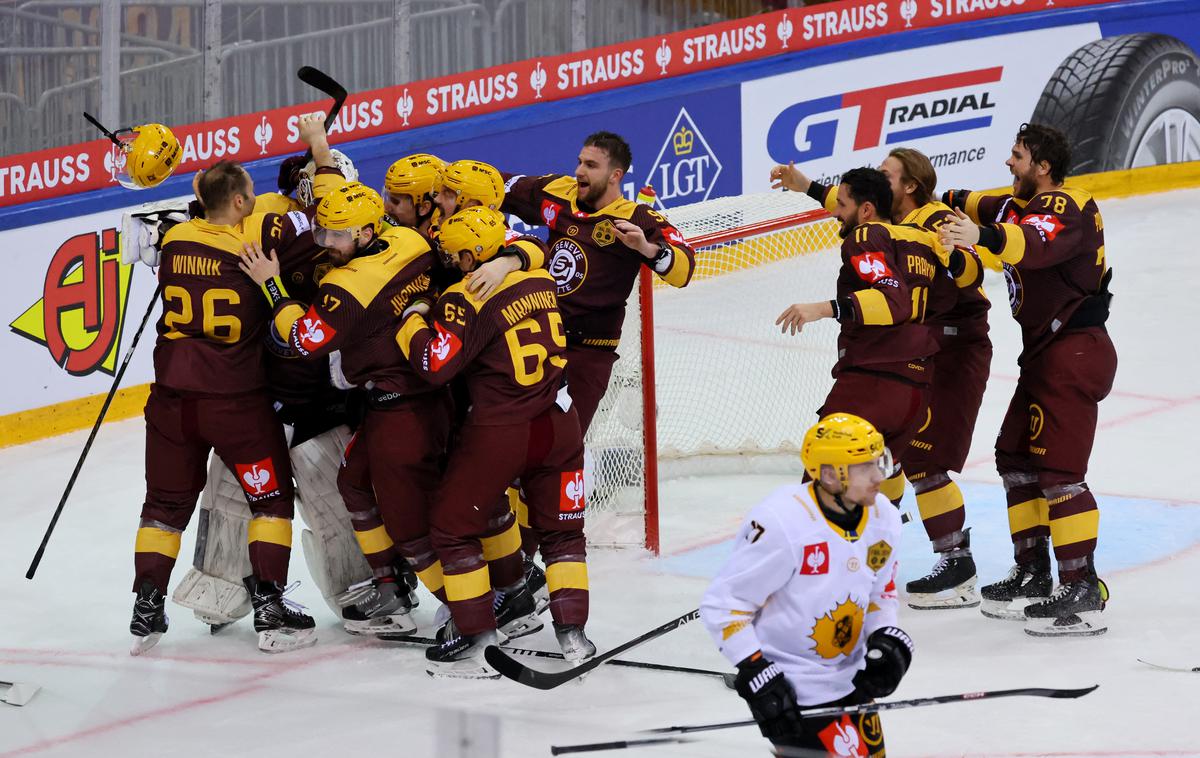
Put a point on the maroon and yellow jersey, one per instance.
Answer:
(593, 271)
(509, 347)
(882, 295)
(1051, 250)
(210, 334)
(357, 309)
(957, 302)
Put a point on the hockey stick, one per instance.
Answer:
(92, 120)
(1180, 669)
(727, 678)
(893, 705)
(544, 680)
(832, 712)
(37, 558)
(314, 77)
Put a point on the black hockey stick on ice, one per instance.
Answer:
(831, 712)
(545, 680)
(37, 558)
(892, 705)
(726, 677)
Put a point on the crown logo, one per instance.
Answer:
(683, 140)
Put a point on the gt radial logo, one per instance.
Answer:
(81, 313)
(686, 168)
(885, 115)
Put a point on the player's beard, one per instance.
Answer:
(592, 193)
(1025, 186)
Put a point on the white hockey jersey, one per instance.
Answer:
(806, 592)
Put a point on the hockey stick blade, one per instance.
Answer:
(92, 120)
(727, 678)
(19, 693)
(1179, 669)
(317, 78)
(544, 680)
(894, 705)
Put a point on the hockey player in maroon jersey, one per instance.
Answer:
(599, 241)
(957, 312)
(510, 346)
(356, 310)
(209, 393)
(883, 369)
(410, 189)
(1049, 241)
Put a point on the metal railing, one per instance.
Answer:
(182, 61)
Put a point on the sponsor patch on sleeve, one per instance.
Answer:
(871, 267)
(312, 332)
(444, 346)
(299, 221)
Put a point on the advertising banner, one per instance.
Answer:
(94, 165)
(960, 105)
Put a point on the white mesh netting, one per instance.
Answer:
(733, 395)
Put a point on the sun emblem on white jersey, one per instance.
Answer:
(836, 633)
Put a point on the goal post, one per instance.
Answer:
(706, 383)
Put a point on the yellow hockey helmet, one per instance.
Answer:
(842, 440)
(151, 153)
(346, 210)
(474, 180)
(478, 231)
(418, 176)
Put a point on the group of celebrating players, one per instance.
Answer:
(806, 606)
(418, 380)
(415, 318)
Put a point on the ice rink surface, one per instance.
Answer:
(201, 695)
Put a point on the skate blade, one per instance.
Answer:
(397, 623)
(468, 669)
(521, 627)
(962, 596)
(142, 644)
(1085, 624)
(1007, 610)
(281, 641)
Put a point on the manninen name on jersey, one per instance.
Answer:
(889, 114)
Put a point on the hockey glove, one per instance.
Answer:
(289, 174)
(772, 700)
(889, 652)
(956, 199)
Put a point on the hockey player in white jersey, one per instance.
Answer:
(806, 605)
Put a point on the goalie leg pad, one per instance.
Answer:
(213, 588)
(330, 548)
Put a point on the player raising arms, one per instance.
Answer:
(209, 393)
(957, 312)
(805, 607)
(521, 424)
(1049, 241)
(883, 370)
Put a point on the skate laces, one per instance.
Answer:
(938, 568)
(290, 604)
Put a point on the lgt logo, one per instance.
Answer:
(809, 130)
(82, 310)
(686, 168)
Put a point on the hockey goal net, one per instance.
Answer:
(706, 384)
